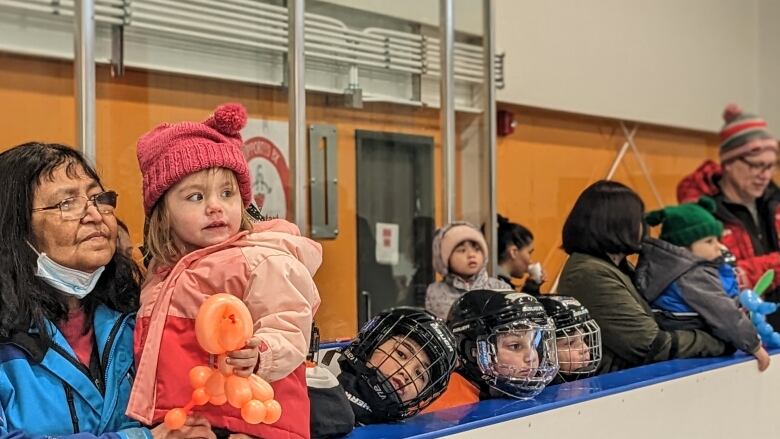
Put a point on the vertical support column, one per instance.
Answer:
(296, 95)
(447, 89)
(489, 109)
(84, 66)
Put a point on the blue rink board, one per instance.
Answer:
(460, 419)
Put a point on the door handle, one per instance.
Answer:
(367, 303)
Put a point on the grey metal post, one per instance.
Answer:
(489, 50)
(447, 89)
(84, 66)
(296, 96)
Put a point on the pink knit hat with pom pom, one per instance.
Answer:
(173, 151)
(743, 134)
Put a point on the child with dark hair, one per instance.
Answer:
(397, 365)
(689, 286)
(515, 248)
(460, 256)
(604, 227)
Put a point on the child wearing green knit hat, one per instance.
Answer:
(691, 225)
(684, 278)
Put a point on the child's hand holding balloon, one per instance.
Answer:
(224, 328)
(244, 361)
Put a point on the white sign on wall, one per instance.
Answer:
(266, 151)
(387, 243)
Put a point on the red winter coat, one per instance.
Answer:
(736, 237)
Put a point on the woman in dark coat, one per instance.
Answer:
(604, 227)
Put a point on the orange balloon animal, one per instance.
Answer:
(224, 324)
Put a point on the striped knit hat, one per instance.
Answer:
(743, 134)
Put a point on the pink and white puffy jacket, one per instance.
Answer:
(270, 269)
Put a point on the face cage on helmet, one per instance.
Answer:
(530, 346)
(413, 370)
(583, 342)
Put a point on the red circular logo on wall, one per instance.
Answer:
(269, 172)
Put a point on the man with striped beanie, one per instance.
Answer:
(748, 201)
(745, 134)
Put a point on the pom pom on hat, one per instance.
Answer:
(655, 217)
(228, 119)
(708, 204)
(731, 112)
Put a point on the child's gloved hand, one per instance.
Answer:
(763, 358)
(244, 361)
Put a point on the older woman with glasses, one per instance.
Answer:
(67, 299)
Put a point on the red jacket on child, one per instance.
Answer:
(271, 270)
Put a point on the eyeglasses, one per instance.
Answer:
(75, 208)
(758, 168)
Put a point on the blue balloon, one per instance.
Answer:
(749, 300)
(758, 311)
(767, 307)
(774, 341)
(744, 297)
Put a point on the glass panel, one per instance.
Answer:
(394, 221)
(36, 75)
(550, 157)
(180, 62)
(471, 158)
(372, 75)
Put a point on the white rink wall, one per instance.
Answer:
(731, 402)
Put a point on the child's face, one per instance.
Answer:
(515, 354)
(405, 364)
(204, 208)
(467, 259)
(573, 353)
(707, 248)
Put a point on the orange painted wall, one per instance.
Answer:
(552, 157)
(37, 99)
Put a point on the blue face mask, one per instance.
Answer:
(66, 280)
